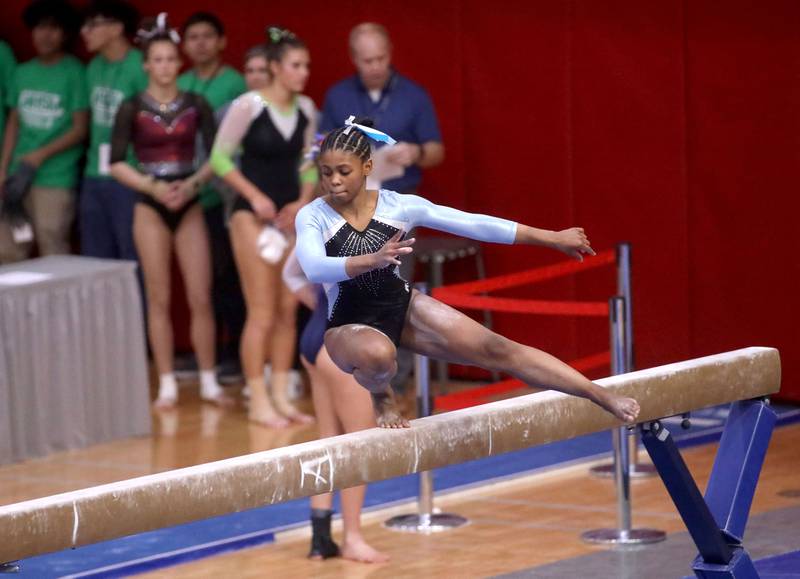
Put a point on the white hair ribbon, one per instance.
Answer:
(373, 134)
(160, 28)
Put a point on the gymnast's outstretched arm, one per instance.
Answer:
(422, 212)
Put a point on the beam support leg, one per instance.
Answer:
(716, 523)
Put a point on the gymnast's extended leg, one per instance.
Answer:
(439, 331)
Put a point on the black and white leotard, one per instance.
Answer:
(378, 298)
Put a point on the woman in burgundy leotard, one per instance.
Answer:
(161, 126)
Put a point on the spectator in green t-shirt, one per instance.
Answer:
(115, 74)
(7, 65)
(203, 43)
(47, 125)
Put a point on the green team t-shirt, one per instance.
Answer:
(7, 65)
(110, 83)
(45, 96)
(218, 91)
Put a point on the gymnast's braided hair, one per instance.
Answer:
(349, 139)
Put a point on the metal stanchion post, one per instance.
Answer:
(624, 535)
(425, 520)
(624, 289)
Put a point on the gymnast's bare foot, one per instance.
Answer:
(266, 416)
(293, 414)
(268, 420)
(357, 549)
(626, 409)
(387, 413)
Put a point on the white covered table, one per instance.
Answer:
(73, 366)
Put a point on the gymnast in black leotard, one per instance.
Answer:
(351, 240)
(161, 126)
(272, 127)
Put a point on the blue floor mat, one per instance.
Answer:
(183, 543)
(785, 566)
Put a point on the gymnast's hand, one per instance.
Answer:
(175, 196)
(166, 193)
(573, 242)
(180, 194)
(263, 207)
(285, 219)
(390, 253)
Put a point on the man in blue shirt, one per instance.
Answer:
(396, 104)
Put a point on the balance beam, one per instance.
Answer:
(161, 500)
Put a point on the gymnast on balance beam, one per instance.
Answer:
(351, 239)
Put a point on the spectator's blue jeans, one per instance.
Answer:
(106, 219)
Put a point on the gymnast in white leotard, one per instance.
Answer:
(351, 239)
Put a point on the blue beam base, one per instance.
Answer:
(739, 567)
(717, 521)
(740, 456)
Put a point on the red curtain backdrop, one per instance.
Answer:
(672, 125)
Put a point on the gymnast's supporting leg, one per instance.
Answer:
(439, 331)
(371, 357)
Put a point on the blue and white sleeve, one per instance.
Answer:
(310, 250)
(422, 212)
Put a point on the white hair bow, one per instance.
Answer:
(159, 29)
(373, 134)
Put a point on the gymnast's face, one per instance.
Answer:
(344, 175)
(162, 62)
(292, 70)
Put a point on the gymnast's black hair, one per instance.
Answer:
(349, 139)
(279, 42)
